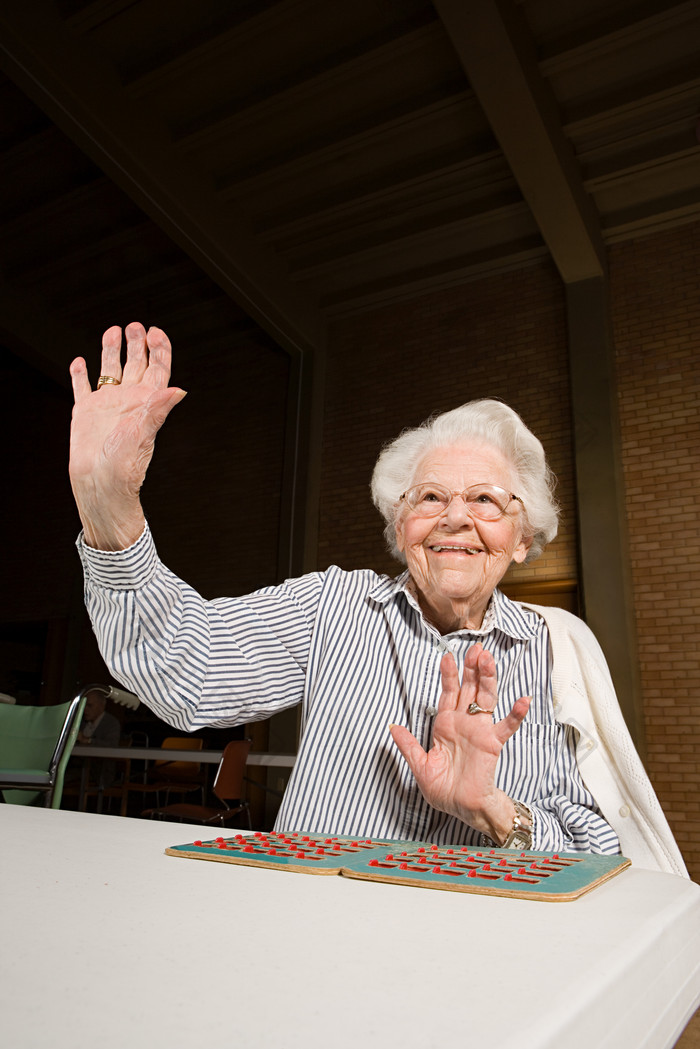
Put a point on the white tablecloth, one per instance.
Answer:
(108, 942)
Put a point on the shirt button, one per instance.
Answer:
(624, 811)
(431, 711)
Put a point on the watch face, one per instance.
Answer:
(519, 839)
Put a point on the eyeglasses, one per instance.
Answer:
(485, 501)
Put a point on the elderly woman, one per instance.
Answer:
(492, 705)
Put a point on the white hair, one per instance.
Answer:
(484, 421)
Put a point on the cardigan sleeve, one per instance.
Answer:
(584, 698)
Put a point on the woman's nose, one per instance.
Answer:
(457, 512)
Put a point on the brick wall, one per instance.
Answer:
(655, 293)
(391, 368)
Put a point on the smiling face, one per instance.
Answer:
(455, 559)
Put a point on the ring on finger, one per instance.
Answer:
(474, 708)
(108, 380)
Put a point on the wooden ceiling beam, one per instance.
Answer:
(491, 38)
(82, 95)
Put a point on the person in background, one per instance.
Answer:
(98, 727)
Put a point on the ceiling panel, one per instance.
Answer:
(308, 158)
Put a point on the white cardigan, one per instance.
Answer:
(584, 697)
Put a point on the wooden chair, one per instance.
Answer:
(228, 789)
(167, 775)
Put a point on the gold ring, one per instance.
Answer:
(108, 380)
(474, 708)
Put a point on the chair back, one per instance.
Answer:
(179, 769)
(36, 742)
(229, 777)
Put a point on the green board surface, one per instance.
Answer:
(496, 872)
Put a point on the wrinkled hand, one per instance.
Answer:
(113, 433)
(457, 775)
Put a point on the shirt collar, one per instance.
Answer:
(502, 614)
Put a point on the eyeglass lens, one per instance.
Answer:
(486, 501)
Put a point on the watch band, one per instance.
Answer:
(520, 836)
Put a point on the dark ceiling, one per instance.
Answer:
(286, 163)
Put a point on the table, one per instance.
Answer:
(106, 941)
(207, 757)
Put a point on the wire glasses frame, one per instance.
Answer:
(488, 502)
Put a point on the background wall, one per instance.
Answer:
(389, 369)
(655, 298)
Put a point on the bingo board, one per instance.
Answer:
(492, 872)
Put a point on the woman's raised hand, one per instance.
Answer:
(457, 775)
(113, 433)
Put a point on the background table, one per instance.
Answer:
(149, 754)
(106, 941)
(207, 757)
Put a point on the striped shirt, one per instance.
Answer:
(355, 650)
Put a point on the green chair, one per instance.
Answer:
(35, 745)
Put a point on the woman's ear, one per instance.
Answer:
(521, 550)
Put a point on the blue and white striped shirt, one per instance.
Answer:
(354, 649)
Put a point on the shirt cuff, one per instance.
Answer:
(128, 569)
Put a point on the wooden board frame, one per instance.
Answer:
(544, 876)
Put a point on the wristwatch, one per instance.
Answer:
(520, 836)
